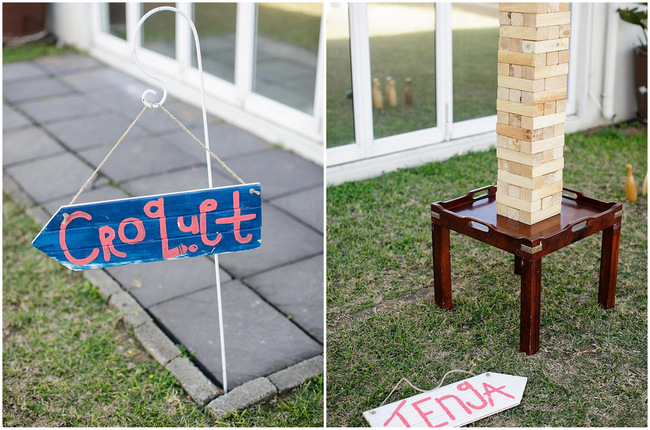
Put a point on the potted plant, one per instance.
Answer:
(640, 18)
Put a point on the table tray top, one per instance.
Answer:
(477, 209)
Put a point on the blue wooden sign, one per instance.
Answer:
(154, 228)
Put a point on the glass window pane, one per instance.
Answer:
(475, 39)
(340, 113)
(116, 20)
(216, 23)
(402, 46)
(287, 51)
(159, 32)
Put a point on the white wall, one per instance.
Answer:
(71, 23)
(592, 68)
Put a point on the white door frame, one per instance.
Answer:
(366, 146)
(236, 103)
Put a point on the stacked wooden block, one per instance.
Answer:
(531, 109)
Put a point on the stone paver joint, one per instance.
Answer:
(156, 342)
(134, 315)
(251, 393)
(291, 377)
(195, 383)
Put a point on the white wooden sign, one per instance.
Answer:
(453, 405)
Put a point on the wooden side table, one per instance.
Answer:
(474, 215)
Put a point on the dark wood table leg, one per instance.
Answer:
(531, 294)
(517, 265)
(441, 267)
(609, 266)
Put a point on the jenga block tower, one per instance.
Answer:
(533, 63)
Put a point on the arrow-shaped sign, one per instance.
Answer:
(453, 405)
(154, 228)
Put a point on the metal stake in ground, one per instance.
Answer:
(207, 156)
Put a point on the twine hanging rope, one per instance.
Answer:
(421, 390)
(83, 187)
(228, 169)
(201, 143)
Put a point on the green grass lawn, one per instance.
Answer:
(69, 360)
(591, 369)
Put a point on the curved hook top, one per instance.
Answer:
(137, 61)
(164, 97)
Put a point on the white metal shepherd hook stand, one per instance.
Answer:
(207, 144)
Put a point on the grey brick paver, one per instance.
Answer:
(93, 80)
(249, 394)
(24, 70)
(156, 342)
(226, 141)
(279, 232)
(61, 64)
(137, 157)
(11, 118)
(27, 143)
(51, 178)
(134, 315)
(300, 294)
(63, 107)
(259, 340)
(280, 172)
(289, 378)
(200, 388)
(305, 205)
(18, 91)
(188, 178)
(107, 285)
(157, 282)
(81, 133)
(96, 192)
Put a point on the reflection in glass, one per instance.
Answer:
(216, 23)
(158, 33)
(286, 52)
(340, 115)
(475, 38)
(116, 21)
(402, 46)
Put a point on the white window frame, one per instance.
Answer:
(235, 102)
(366, 146)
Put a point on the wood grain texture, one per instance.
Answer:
(520, 84)
(520, 108)
(531, 297)
(154, 228)
(538, 47)
(541, 121)
(530, 7)
(609, 266)
(441, 267)
(547, 19)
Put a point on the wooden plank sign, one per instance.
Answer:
(154, 228)
(453, 405)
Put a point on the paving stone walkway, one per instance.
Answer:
(61, 116)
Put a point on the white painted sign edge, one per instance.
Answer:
(517, 384)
